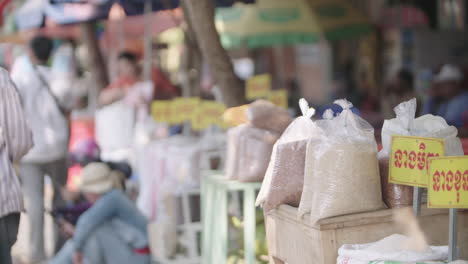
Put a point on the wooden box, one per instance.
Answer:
(295, 241)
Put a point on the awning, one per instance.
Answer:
(338, 19)
(267, 23)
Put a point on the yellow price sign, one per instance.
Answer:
(258, 86)
(161, 110)
(279, 98)
(409, 159)
(183, 108)
(448, 182)
(208, 113)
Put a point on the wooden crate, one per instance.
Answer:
(295, 241)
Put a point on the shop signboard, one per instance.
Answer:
(279, 98)
(258, 86)
(448, 182)
(409, 159)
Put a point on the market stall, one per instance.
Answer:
(330, 197)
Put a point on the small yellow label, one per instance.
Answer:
(258, 86)
(279, 98)
(161, 110)
(409, 159)
(448, 182)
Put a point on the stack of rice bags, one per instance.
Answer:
(250, 145)
(326, 168)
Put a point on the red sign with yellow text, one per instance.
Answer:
(448, 182)
(409, 159)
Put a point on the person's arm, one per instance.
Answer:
(13, 121)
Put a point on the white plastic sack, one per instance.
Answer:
(389, 249)
(341, 172)
(406, 124)
(284, 179)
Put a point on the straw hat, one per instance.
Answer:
(96, 178)
(449, 73)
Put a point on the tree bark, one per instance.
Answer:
(98, 67)
(201, 16)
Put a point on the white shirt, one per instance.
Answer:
(49, 126)
(15, 141)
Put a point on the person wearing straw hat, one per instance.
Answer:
(113, 230)
(449, 98)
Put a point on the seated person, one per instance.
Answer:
(448, 98)
(112, 230)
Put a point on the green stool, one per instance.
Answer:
(214, 195)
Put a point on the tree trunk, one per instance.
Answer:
(98, 67)
(201, 17)
(191, 60)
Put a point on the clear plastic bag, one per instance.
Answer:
(341, 172)
(406, 124)
(183, 164)
(255, 148)
(232, 156)
(265, 115)
(284, 179)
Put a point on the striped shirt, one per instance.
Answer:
(15, 142)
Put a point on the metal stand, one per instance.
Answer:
(453, 249)
(417, 197)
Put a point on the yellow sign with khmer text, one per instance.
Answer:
(409, 159)
(258, 86)
(448, 182)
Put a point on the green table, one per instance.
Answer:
(214, 195)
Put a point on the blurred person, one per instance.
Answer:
(15, 142)
(48, 118)
(399, 89)
(111, 231)
(129, 73)
(448, 98)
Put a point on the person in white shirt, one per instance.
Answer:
(49, 123)
(15, 141)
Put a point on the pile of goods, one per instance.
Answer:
(331, 167)
(328, 167)
(250, 144)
